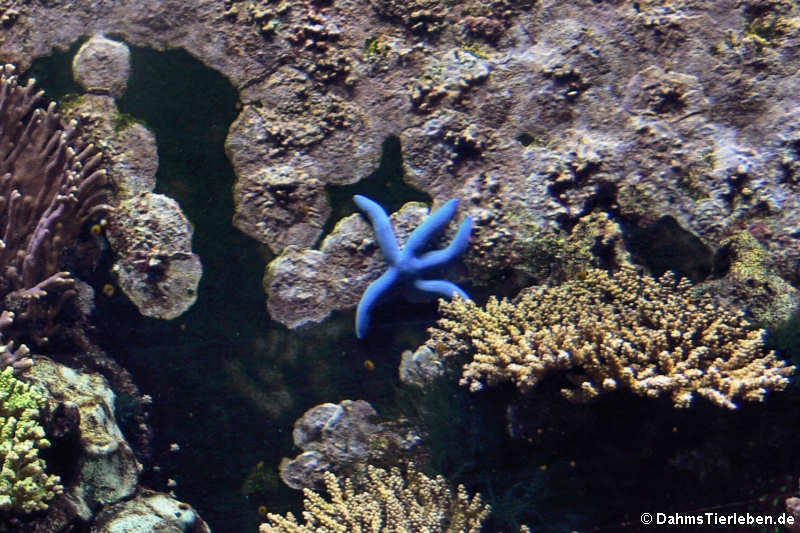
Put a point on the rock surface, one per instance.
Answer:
(150, 512)
(149, 233)
(102, 66)
(534, 114)
(107, 467)
(332, 437)
(155, 265)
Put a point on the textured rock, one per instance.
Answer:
(149, 512)
(420, 367)
(304, 285)
(332, 437)
(107, 468)
(683, 110)
(129, 147)
(155, 265)
(280, 205)
(102, 66)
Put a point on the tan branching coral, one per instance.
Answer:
(388, 502)
(610, 331)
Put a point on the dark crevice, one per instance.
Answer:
(385, 185)
(665, 245)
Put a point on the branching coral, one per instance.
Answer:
(610, 331)
(48, 191)
(10, 355)
(389, 502)
(24, 484)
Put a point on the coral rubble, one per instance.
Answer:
(611, 331)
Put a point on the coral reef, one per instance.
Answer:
(148, 232)
(610, 331)
(385, 501)
(48, 191)
(531, 113)
(530, 132)
(25, 486)
(570, 103)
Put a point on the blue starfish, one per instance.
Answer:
(404, 265)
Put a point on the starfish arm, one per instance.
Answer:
(374, 291)
(453, 250)
(432, 224)
(384, 233)
(439, 286)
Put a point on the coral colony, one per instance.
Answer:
(612, 331)
(405, 266)
(48, 191)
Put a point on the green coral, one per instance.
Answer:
(24, 484)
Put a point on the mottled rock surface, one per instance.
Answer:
(332, 437)
(155, 266)
(536, 113)
(102, 66)
(129, 147)
(420, 367)
(107, 467)
(150, 512)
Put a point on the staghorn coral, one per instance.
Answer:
(48, 191)
(388, 502)
(24, 484)
(610, 331)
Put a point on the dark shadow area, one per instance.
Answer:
(53, 73)
(385, 185)
(664, 245)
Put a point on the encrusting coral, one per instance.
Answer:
(24, 484)
(611, 331)
(48, 191)
(388, 502)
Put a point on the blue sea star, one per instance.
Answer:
(404, 265)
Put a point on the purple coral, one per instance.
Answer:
(48, 191)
